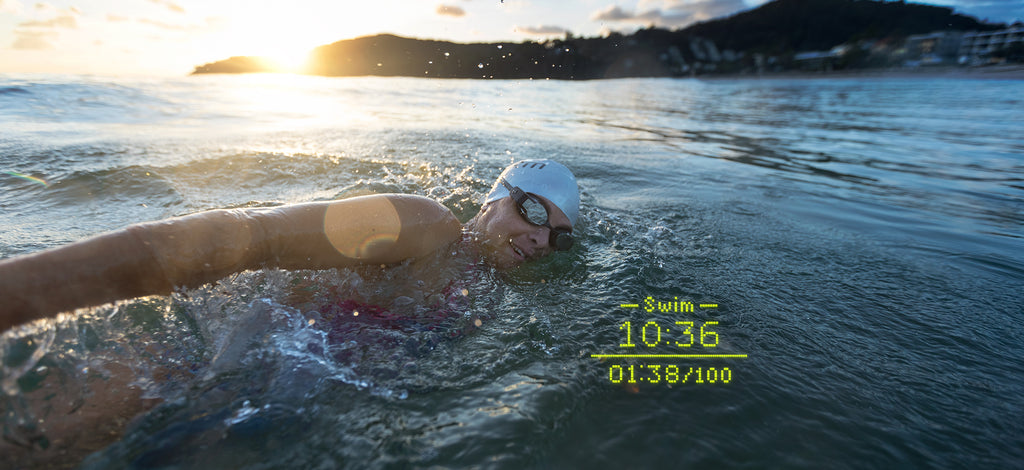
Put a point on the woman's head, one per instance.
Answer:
(509, 235)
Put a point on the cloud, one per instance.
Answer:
(671, 13)
(41, 34)
(651, 17)
(43, 8)
(170, 5)
(616, 14)
(449, 10)
(34, 40)
(612, 13)
(541, 30)
(702, 10)
(115, 18)
(64, 19)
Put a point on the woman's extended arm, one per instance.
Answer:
(156, 257)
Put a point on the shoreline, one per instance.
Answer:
(995, 72)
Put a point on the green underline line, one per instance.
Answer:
(682, 356)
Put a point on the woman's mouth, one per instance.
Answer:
(515, 250)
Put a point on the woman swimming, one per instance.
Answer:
(529, 213)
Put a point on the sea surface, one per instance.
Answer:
(852, 246)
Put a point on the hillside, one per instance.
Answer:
(787, 26)
(772, 34)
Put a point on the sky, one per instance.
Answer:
(171, 37)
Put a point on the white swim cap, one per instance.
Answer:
(546, 178)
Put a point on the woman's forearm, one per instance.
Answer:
(145, 259)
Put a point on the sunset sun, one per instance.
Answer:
(288, 58)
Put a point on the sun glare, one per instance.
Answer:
(288, 59)
(286, 36)
(285, 40)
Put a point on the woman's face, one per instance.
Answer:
(508, 240)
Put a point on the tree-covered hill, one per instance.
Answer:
(785, 26)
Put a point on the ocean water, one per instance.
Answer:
(859, 240)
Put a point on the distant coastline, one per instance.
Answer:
(802, 37)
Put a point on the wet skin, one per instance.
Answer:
(507, 239)
(501, 234)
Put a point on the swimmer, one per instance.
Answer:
(528, 214)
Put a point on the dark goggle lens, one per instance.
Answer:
(561, 240)
(534, 212)
(537, 214)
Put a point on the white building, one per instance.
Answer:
(978, 45)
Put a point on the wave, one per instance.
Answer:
(13, 91)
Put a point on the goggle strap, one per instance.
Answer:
(518, 195)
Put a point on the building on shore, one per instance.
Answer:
(977, 48)
(938, 48)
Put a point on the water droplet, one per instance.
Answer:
(479, 66)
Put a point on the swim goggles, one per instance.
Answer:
(534, 212)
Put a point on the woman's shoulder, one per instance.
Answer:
(390, 226)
